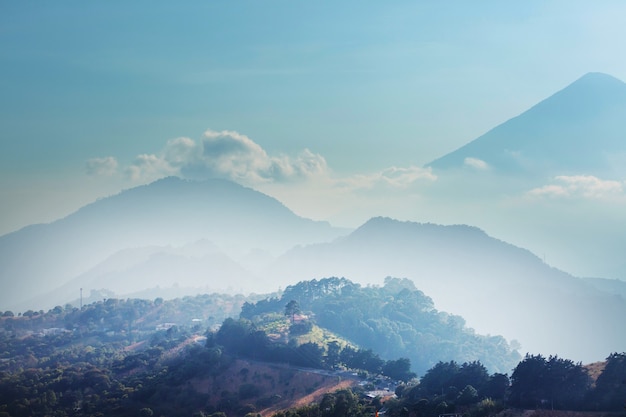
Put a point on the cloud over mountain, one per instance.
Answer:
(234, 156)
(227, 155)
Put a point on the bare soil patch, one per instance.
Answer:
(275, 387)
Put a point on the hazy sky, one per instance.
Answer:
(332, 107)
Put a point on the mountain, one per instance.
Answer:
(612, 286)
(550, 179)
(40, 258)
(497, 287)
(578, 130)
(156, 271)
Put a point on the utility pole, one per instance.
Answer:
(81, 299)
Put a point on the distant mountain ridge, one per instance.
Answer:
(497, 287)
(158, 271)
(574, 131)
(171, 211)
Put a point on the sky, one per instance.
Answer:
(334, 108)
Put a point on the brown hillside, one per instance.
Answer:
(270, 387)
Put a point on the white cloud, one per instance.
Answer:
(302, 181)
(180, 152)
(101, 166)
(580, 186)
(149, 167)
(224, 154)
(393, 178)
(476, 163)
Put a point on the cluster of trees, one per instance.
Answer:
(553, 382)
(464, 383)
(451, 387)
(536, 382)
(69, 374)
(395, 320)
(242, 338)
(562, 384)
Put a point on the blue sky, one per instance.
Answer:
(332, 107)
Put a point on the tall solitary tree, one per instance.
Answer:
(291, 309)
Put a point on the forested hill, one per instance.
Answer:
(395, 320)
(497, 287)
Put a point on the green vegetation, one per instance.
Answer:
(244, 339)
(395, 320)
(139, 357)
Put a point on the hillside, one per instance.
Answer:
(274, 386)
(496, 287)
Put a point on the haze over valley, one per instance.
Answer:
(180, 236)
(428, 186)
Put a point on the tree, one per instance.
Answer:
(568, 383)
(554, 382)
(610, 391)
(232, 334)
(400, 369)
(439, 378)
(332, 358)
(291, 309)
(471, 373)
(496, 387)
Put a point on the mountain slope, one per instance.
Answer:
(497, 287)
(40, 258)
(578, 130)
